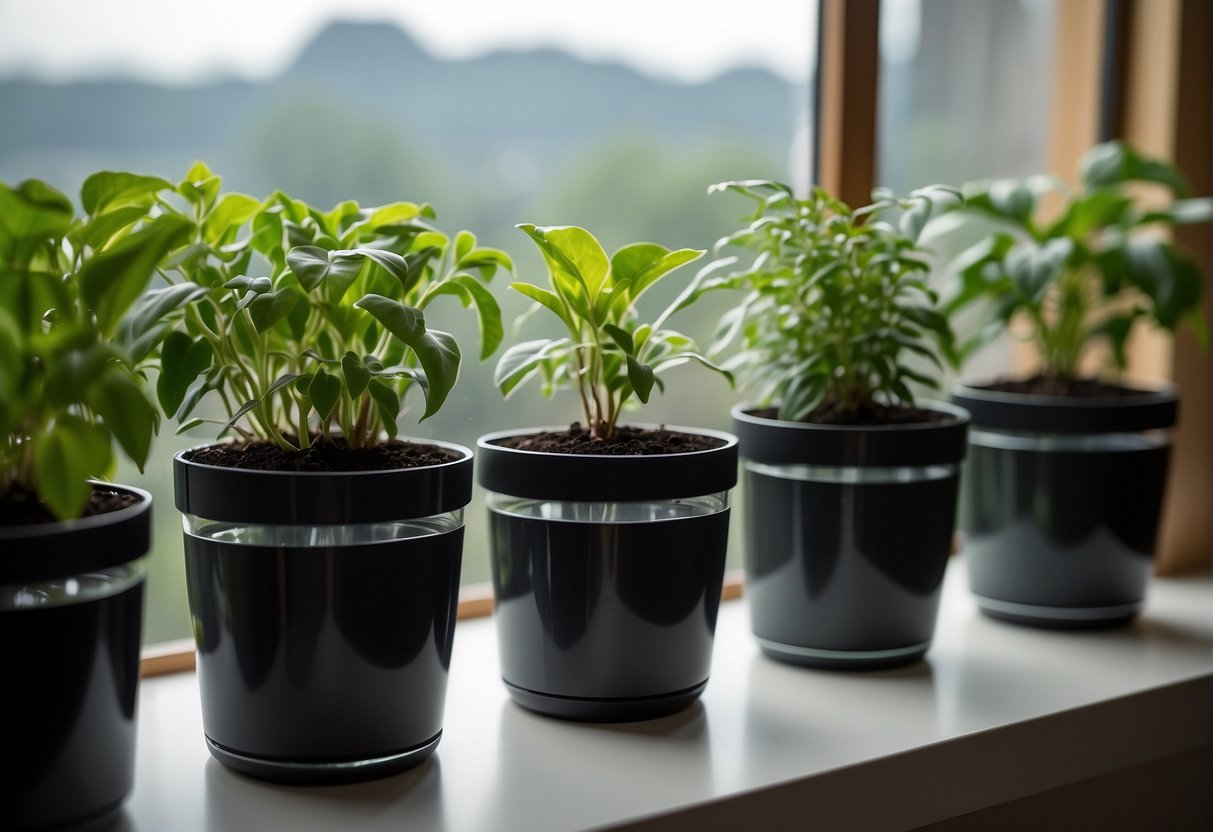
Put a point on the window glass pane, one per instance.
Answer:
(965, 88)
(615, 116)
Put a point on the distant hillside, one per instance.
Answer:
(547, 101)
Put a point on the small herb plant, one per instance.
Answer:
(609, 357)
(68, 385)
(305, 323)
(836, 301)
(1084, 277)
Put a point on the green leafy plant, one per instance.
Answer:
(68, 386)
(608, 356)
(1085, 276)
(305, 323)
(836, 301)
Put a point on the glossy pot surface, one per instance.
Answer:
(847, 541)
(69, 646)
(606, 608)
(324, 648)
(1062, 503)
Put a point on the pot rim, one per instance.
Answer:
(909, 444)
(45, 551)
(1155, 407)
(606, 477)
(464, 452)
(318, 498)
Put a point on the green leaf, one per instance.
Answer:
(182, 360)
(390, 262)
(33, 210)
(521, 361)
(64, 458)
(405, 322)
(324, 391)
(643, 264)
(154, 307)
(200, 187)
(283, 381)
(641, 378)
(231, 212)
(271, 307)
(127, 414)
(357, 376)
(108, 189)
(546, 298)
(112, 280)
(1114, 163)
(388, 403)
(472, 292)
(622, 338)
(802, 394)
(575, 252)
(98, 231)
(439, 356)
(312, 265)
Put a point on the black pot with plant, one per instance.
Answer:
(608, 540)
(71, 546)
(850, 486)
(1067, 469)
(322, 553)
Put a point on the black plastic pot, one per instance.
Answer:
(607, 572)
(848, 531)
(324, 610)
(1062, 503)
(71, 611)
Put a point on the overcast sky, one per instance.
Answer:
(175, 41)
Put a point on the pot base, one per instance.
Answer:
(842, 659)
(313, 772)
(1058, 618)
(605, 710)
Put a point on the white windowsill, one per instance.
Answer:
(995, 713)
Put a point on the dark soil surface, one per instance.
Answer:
(332, 455)
(20, 508)
(626, 442)
(1043, 385)
(829, 414)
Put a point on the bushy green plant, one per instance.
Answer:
(608, 356)
(68, 383)
(1086, 276)
(835, 300)
(306, 322)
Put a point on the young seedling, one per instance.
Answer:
(608, 356)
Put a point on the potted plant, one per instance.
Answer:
(1067, 468)
(850, 485)
(607, 540)
(71, 546)
(322, 552)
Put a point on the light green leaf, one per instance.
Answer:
(112, 280)
(108, 189)
(64, 458)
